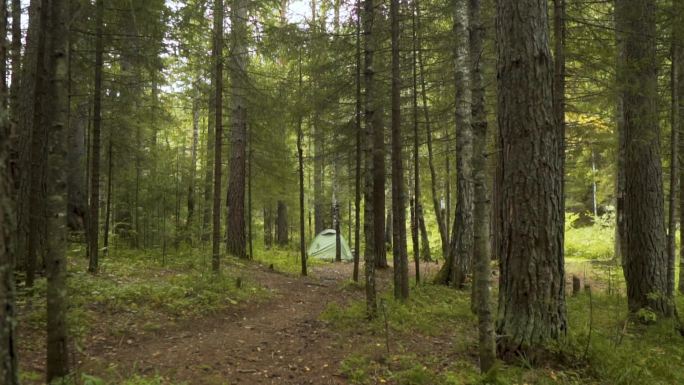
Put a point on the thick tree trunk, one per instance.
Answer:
(9, 369)
(458, 262)
(531, 302)
(235, 241)
(400, 254)
(218, 122)
(678, 37)
(94, 216)
(674, 153)
(481, 296)
(56, 119)
(645, 254)
(370, 253)
(282, 236)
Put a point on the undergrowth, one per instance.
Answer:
(615, 352)
(143, 285)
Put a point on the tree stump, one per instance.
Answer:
(576, 285)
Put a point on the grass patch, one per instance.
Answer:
(142, 285)
(602, 347)
(283, 260)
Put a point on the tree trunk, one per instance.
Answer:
(250, 179)
(338, 235)
(481, 295)
(678, 37)
(218, 122)
(370, 253)
(531, 302)
(645, 254)
(620, 223)
(458, 263)
(94, 217)
(15, 59)
(55, 118)
(76, 197)
(235, 241)
(9, 369)
(268, 226)
(300, 160)
(400, 254)
(674, 160)
(357, 157)
(209, 166)
(421, 236)
(389, 230)
(282, 236)
(30, 215)
(108, 211)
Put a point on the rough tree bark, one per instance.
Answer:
(674, 150)
(55, 118)
(368, 19)
(235, 241)
(645, 254)
(459, 259)
(9, 369)
(678, 37)
(218, 136)
(400, 254)
(531, 302)
(481, 253)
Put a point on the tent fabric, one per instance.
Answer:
(323, 246)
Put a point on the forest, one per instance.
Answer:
(406, 192)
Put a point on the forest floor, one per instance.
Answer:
(275, 341)
(144, 323)
(274, 336)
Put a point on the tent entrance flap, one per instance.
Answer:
(323, 246)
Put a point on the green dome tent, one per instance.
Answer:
(323, 246)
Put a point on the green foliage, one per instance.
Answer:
(421, 314)
(136, 283)
(595, 241)
(603, 347)
(283, 260)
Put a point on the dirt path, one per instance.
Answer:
(277, 341)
